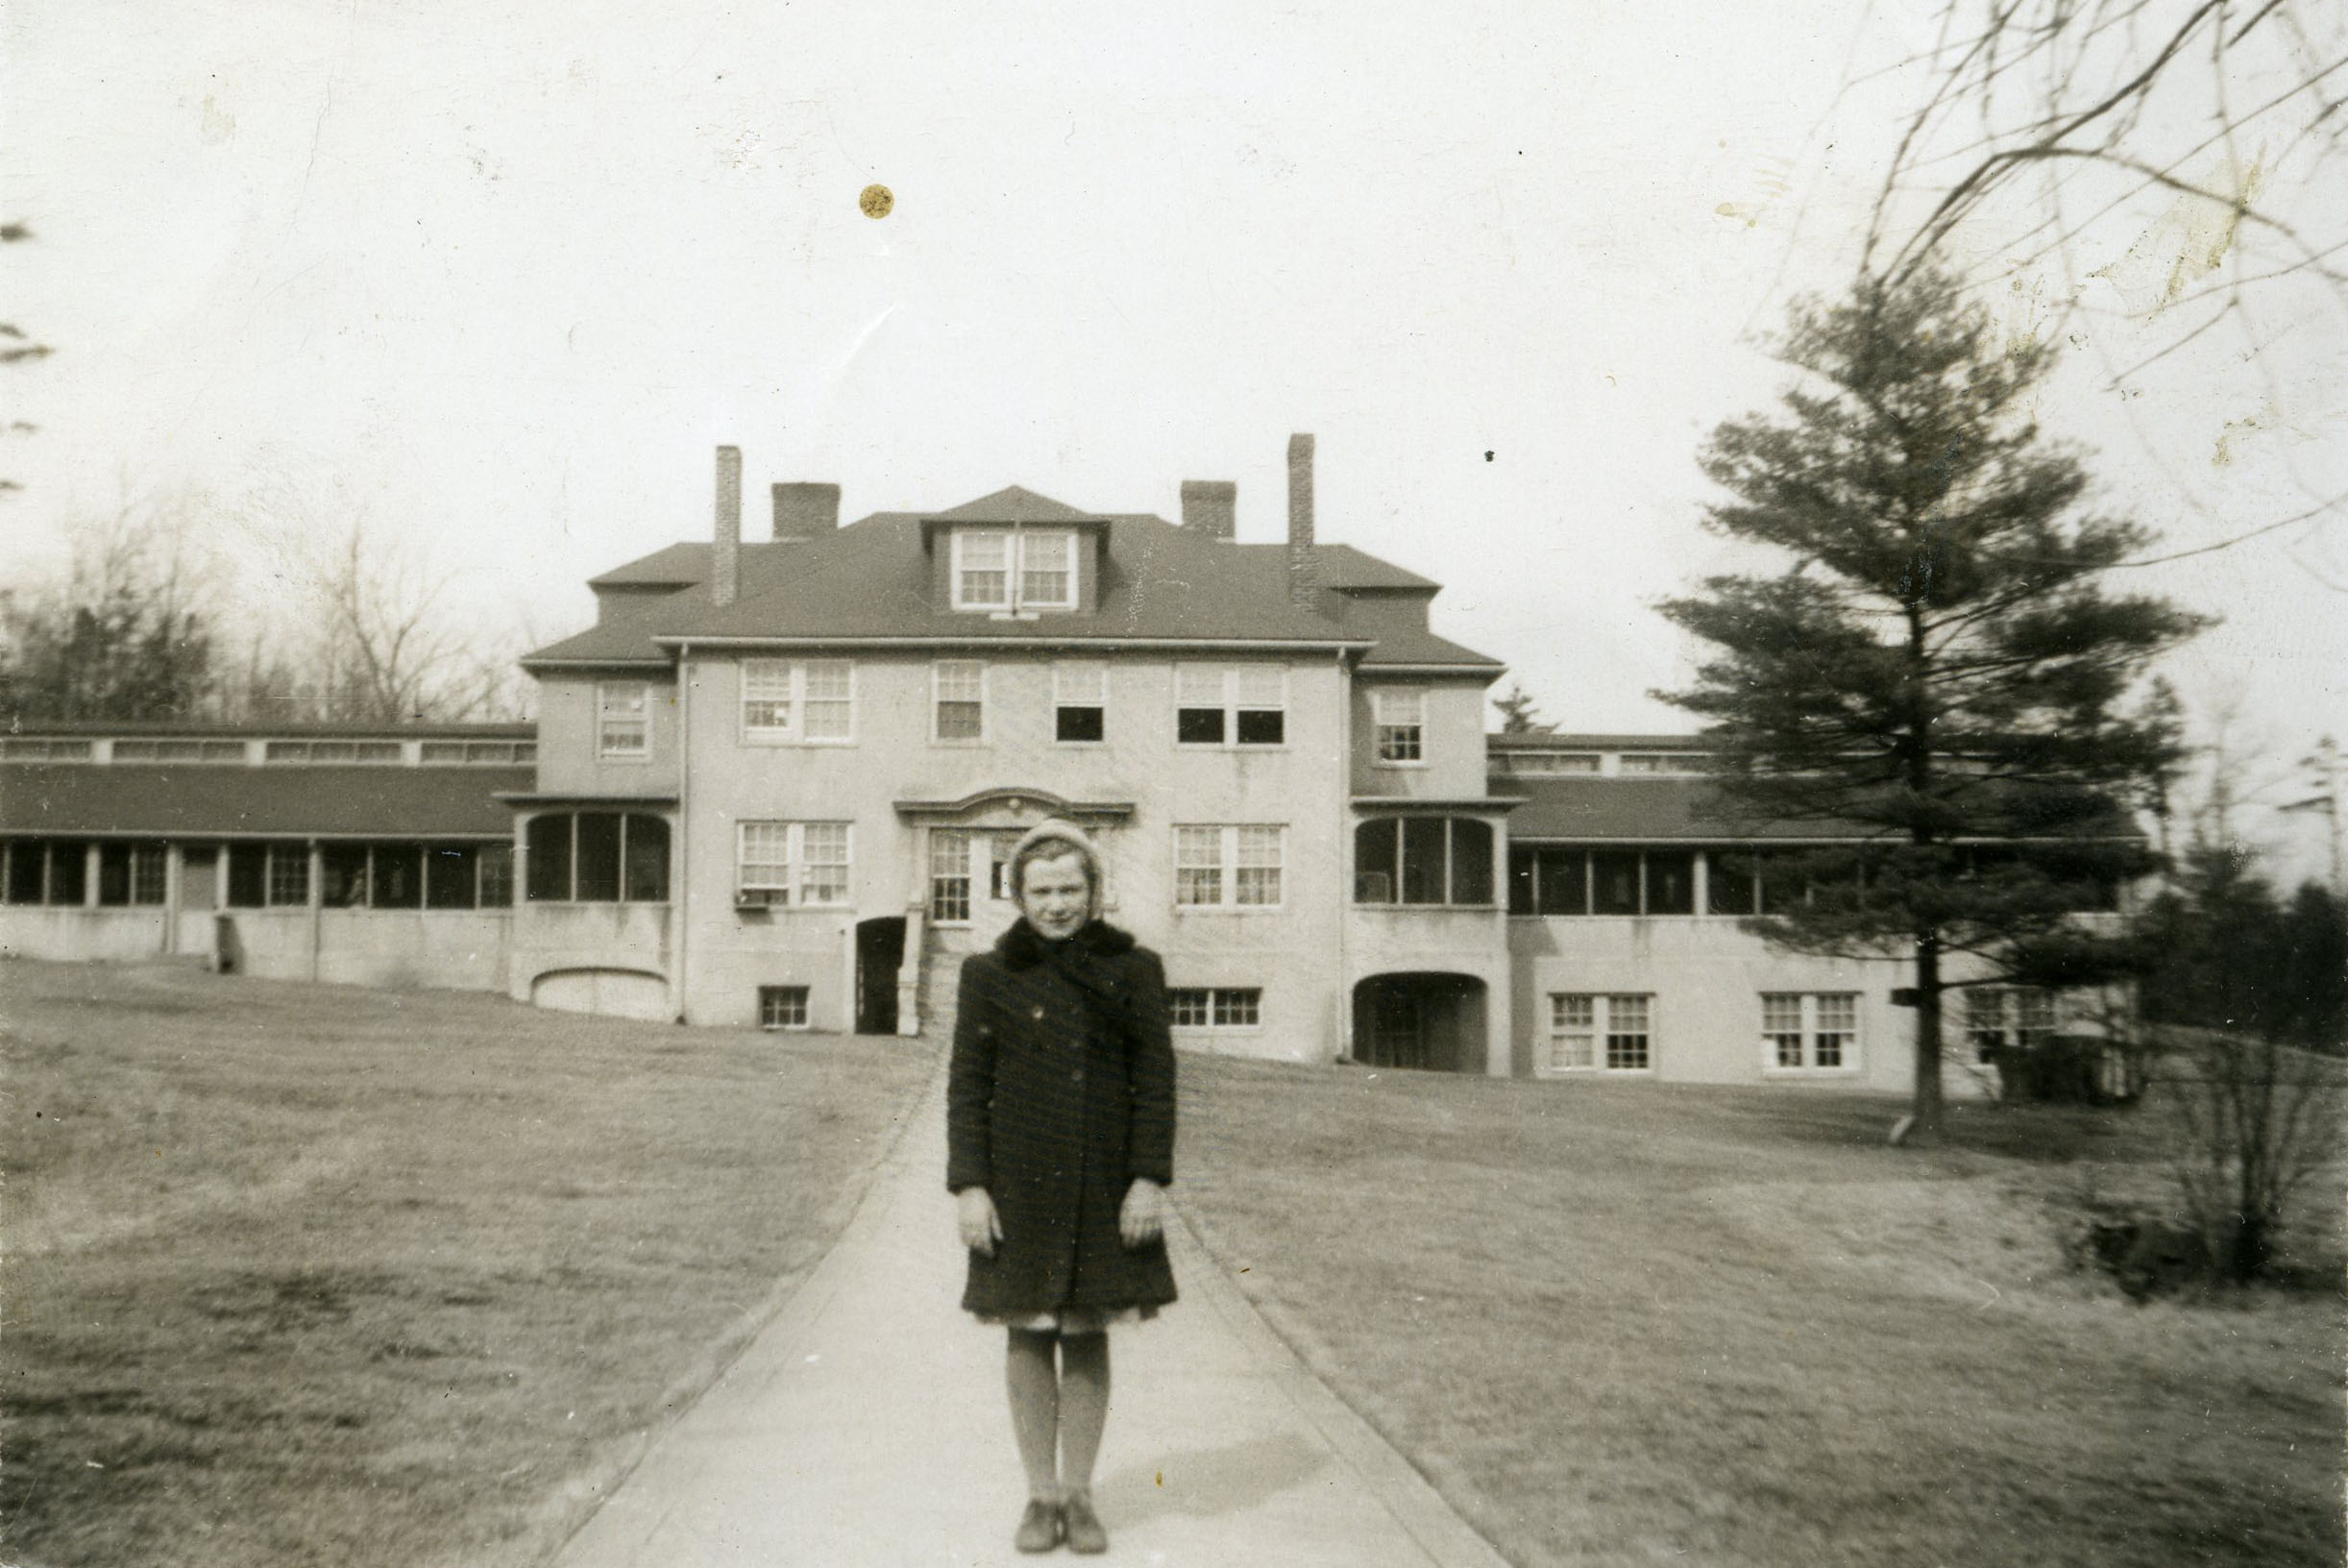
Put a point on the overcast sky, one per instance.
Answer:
(496, 278)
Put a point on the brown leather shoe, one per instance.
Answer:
(1082, 1525)
(1040, 1527)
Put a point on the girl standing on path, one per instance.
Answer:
(1060, 1142)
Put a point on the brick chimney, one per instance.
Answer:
(725, 557)
(1210, 507)
(805, 511)
(1304, 560)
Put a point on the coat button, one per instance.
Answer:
(1077, 1077)
(1037, 1015)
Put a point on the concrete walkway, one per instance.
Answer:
(866, 1425)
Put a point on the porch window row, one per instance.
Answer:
(1423, 860)
(392, 876)
(598, 857)
(56, 871)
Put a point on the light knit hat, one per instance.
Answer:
(1050, 840)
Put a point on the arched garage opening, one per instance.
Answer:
(1426, 1021)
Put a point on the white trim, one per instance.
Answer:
(794, 698)
(1226, 868)
(1806, 1011)
(604, 752)
(1601, 1025)
(936, 701)
(1231, 678)
(793, 866)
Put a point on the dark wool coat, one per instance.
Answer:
(1061, 1091)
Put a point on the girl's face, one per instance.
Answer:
(1056, 897)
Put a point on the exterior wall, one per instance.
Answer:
(69, 933)
(567, 760)
(578, 939)
(1289, 951)
(458, 949)
(1706, 978)
(1417, 940)
(1454, 768)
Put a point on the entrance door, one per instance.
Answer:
(880, 952)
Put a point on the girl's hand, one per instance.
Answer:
(1143, 1215)
(975, 1217)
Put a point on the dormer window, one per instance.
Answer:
(1013, 571)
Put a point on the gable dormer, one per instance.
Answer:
(1016, 554)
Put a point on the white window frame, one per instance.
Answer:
(1028, 539)
(1603, 1016)
(1399, 724)
(791, 684)
(1080, 685)
(1239, 847)
(608, 695)
(1018, 546)
(946, 868)
(786, 881)
(1218, 1009)
(1233, 698)
(1800, 1020)
(937, 699)
(783, 1009)
(2019, 1016)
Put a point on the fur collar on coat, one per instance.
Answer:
(1021, 948)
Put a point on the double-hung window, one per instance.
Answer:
(1401, 727)
(1809, 1031)
(785, 704)
(1047, 571)
(949, 874)
(1080, 702)
(959, 689)
(1014, 570)
(1998, 1016)
(1229, 866)
(623, 720)
(1599, 1033)
(781, 864)
(1218, 704)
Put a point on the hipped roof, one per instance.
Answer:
(871, 581)
(197, 800)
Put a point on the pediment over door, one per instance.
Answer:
(1015, 806)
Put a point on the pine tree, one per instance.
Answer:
(1937, 676)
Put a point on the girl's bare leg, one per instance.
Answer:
(1084, 1406)
(1035, 1408)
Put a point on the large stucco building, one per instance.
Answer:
(776, 782)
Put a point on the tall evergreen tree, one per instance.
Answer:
(1936, 674)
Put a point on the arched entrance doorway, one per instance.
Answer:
(880, 952)
(1432, 1021)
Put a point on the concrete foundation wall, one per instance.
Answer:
(456, 949)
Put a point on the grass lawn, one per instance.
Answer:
(1642, 1323)
(304, 1274)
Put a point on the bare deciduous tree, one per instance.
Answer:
(385, 647)
(2221, 122)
